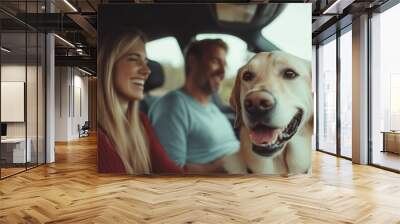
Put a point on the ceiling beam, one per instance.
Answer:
(337, 7)
(75, 15)
(84, 61)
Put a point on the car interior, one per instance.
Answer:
(241, 21)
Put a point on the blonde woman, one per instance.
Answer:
(126, 140)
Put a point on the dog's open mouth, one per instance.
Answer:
(269, 140)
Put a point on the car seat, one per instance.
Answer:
(155, 80)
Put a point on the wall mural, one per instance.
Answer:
(257, 55)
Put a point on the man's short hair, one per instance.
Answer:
(197, 49)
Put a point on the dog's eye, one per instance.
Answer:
(248, 76)
(289, 74)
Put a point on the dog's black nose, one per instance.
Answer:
(259, 102)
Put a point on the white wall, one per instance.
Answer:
(80, 96)
(12, 73)
(16, 73)
(61, 103)
(71, 94)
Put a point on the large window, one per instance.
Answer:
(335, 137)
(346, 94)
(385, 89)
(327, 96)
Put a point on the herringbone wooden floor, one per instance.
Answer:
(71, 191)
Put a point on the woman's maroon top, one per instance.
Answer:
(108, 160)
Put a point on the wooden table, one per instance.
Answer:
(391, 141)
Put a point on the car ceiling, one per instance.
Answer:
(185, 21)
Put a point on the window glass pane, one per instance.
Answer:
(385, 89)
(32, 96)
(346, 94)
(13, 86)
(41, 98)
(327, 97)
(22, 88)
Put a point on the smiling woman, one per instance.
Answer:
(131, 73)
(126, 142)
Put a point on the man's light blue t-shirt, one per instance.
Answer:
(191, 132)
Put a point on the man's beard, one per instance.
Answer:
(208, 88)
(212, 83)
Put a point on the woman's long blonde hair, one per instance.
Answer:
(124, 129)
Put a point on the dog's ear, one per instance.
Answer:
(234, 100)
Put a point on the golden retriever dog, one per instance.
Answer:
(273, 101)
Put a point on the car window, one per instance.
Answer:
(287, 30)
(237, 56)
(167, 52)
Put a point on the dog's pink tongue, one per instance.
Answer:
(265, 136)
